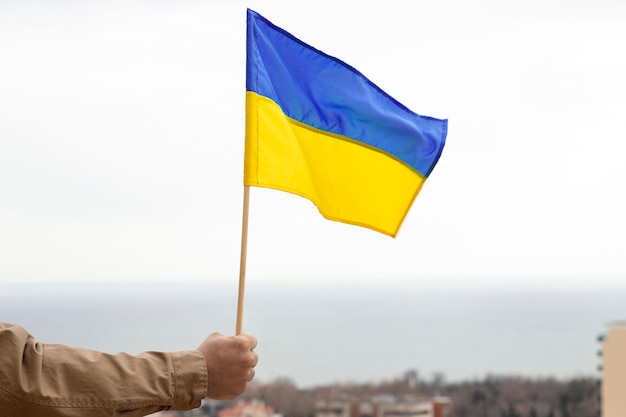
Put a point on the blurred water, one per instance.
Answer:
(327, 333)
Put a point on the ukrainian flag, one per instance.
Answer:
(318, 128)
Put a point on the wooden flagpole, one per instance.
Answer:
(242, 262)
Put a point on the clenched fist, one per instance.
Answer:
(230, 362)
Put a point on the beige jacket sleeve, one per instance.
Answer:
(46, 380)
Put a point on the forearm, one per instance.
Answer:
(56, 380)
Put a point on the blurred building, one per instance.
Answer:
(247, 409)
(613, 390)
(385, 407)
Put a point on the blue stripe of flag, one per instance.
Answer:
(324, 92)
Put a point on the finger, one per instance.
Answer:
(250, 340)
(255, 359)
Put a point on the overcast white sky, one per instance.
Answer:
(122, 123)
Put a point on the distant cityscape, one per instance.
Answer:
(411, 396)
(500, 354)
(408, 396)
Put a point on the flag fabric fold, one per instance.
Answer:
(318, 128)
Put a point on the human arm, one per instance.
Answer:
(46, 380)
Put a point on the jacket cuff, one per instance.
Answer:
(190, 379)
